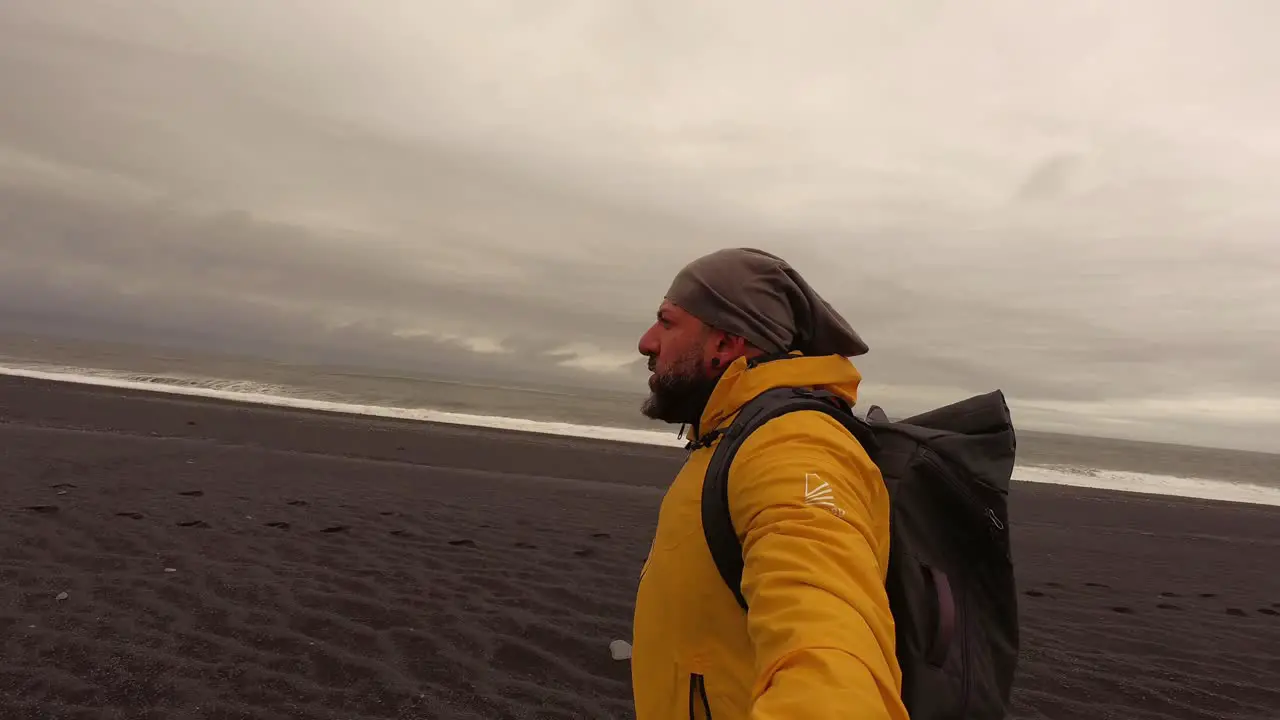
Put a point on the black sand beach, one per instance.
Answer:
(171, 557)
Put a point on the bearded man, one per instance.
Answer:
(809, 506)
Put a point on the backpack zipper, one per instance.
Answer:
(988, 514)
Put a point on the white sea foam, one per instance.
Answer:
(1150, 484)
(279, 396)
(268, 395)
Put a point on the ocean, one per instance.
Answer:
(1153, 468)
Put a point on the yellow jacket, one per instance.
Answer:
(818, 640)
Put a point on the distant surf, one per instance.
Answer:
(283, 396)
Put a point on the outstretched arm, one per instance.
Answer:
(813, 515)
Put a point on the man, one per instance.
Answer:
(808, 504)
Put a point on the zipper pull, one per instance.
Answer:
(995, 521)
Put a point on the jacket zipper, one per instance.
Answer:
(698, 698)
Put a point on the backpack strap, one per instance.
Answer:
(717, 522)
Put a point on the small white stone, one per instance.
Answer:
(63, 595)
(620, 649)
(171, 569)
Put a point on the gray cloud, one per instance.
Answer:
(1078, 209)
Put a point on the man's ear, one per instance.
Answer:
(732, 344)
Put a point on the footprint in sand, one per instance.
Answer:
(130, 515)
(63, 486)
(601, 535)
(278, 525)
(1097, 585)
(1268, 611)
(43, 509)
(1167, 606)
(191, 422)
(584, 552)
(1169, 594)
(463, 543)
(1034, 594)
(194, 524)
(400, 533)
(1208, 595)
(335, 529)
(1237, 612)
(192, 493)
(297, 503)
(1122, 610)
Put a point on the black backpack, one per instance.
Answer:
(950, 578)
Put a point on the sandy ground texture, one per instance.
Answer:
(169, 557)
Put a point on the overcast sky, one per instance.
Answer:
(1075, 202)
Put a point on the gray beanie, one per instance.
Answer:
(759, 297)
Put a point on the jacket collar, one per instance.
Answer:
(746, 378)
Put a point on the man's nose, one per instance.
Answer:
(648, 344)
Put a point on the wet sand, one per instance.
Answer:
(233, 561)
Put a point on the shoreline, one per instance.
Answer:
(1148, 484)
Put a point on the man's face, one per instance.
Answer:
(679, 347)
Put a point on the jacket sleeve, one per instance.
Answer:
(812, 513)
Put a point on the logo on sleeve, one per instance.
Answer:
(818, 492)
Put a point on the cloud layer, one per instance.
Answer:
(1075, 204)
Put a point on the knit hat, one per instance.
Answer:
(759, 297)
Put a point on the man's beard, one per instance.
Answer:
(680, 395)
